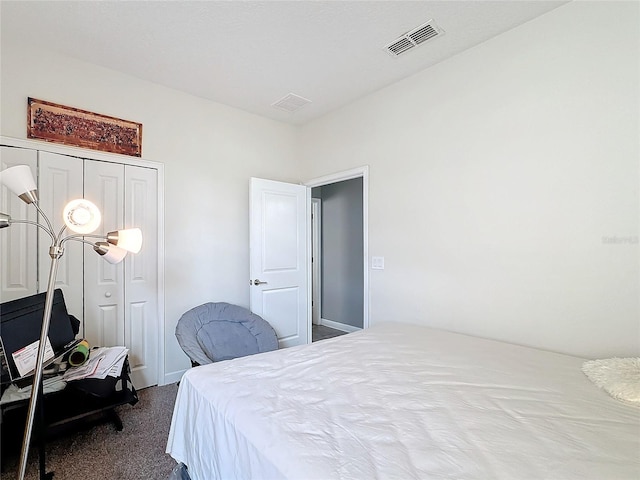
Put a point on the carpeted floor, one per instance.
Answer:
(102, 453)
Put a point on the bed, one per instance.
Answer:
(400, 401)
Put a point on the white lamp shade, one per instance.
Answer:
(5, 220)
(110, 253)
(19, 180)
(81, 216)
(129, 239)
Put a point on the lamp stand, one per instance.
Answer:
(55, 252)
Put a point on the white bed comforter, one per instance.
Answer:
(402, 402)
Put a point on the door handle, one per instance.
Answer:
(258, 282)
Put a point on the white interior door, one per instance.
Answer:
(279, 252)
(103, 282)
(60, 181)
(18, 243)
(141, 276)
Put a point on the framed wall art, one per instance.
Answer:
(72, 126)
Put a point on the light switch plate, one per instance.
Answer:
(377, 263)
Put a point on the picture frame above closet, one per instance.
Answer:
(72, 126)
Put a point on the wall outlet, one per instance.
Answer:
(377, 263)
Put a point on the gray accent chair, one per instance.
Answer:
(213, 332)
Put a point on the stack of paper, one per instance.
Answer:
(102, 361)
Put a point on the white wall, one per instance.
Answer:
(209, 152)
(498, 178)
(494, 177)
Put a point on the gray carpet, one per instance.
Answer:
(102, 453)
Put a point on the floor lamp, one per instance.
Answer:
(81, 217)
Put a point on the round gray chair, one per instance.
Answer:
(213, 332)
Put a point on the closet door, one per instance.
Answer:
(59, 181)
(141, 276)
(18, 243)
(121, 301)
(103, 282)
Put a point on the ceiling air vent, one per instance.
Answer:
(291, 103)
(414, 38)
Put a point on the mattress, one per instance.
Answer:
(399, 401)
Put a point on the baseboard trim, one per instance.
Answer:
(173, 377)
(343, 327)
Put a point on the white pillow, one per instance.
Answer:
(619, 377)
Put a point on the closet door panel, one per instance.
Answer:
(103, 282)
(18, 243)
(141, 276)
(60, 180)
(106, 328)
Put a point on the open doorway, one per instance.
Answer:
(339, 254)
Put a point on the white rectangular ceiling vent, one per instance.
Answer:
(291, 103)
(415, 37)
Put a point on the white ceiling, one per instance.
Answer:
(249, 54)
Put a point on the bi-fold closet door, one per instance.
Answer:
(18, 244)
(120, 301)
(24, 254)
(59, 181)
(118, 304)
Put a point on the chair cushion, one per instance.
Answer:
(213, 332)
